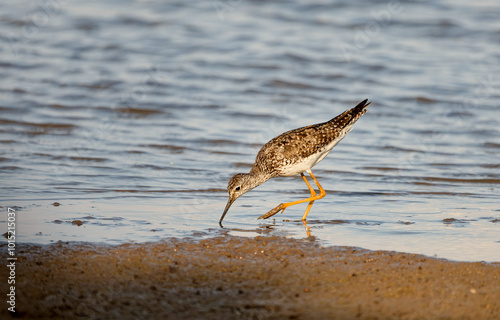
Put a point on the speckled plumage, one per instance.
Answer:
(292, 153)
(295, 146)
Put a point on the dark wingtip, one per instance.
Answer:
(363, 104)
(353, 113)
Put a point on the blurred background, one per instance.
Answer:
(124, 120)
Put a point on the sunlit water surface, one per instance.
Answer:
(133, 116)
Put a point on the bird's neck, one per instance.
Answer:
(256, 177)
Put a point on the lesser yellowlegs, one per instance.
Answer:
(291, 153)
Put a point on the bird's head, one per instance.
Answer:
(238, 185)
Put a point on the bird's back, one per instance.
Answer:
(293, 151)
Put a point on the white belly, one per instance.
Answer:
(300, 167)
(308, 163)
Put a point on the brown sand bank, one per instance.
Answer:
(244, 278)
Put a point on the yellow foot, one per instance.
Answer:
(272, 212)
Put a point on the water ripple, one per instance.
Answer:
(141, 112)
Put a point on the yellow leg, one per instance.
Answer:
(311, 199)
(322, 193)
(313, 194)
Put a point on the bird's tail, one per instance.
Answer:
(361, 106)
(349, 117)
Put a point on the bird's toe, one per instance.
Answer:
(272, 212)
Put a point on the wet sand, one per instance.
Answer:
(259, 278)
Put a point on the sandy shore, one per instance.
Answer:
(233, 278)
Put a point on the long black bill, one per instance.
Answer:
(229, 203)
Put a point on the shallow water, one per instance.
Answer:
(133, 115)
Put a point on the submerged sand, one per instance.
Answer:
(244, 278)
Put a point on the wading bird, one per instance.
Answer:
(291, 153)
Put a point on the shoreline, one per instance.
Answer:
(228, 277)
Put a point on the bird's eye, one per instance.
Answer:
(238, 188)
